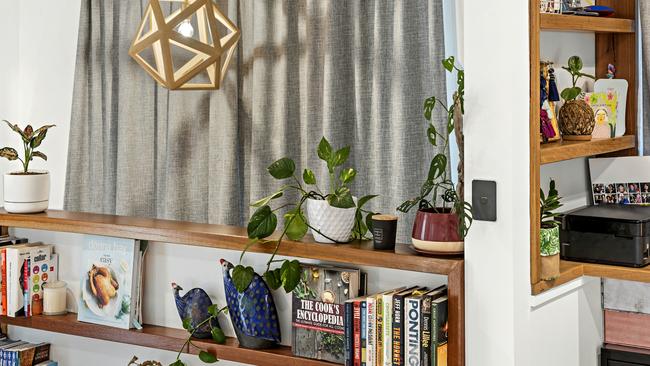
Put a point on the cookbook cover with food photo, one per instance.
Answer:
(109, 271)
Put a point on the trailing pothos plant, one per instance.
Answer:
(438, 184)
(264, 220)
(217, 335)
(31, 140)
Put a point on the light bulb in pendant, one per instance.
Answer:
(185, 28)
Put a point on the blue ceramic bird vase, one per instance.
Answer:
(253, 313)
(194, 306)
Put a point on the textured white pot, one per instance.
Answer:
(335, 223)
(28, 193)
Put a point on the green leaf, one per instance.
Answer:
(340, 157)
(570, 93)
(9, 153)
(363, 200)
(438, 167)
(28, 132)
(267, 199)
(43, 129)
(262, 223)
(207, 357)
(16, 129)
(187, 324)
(432, 134)
(341, 198)
(295, 225)
(218, 336)
(213, 310)
(324, 150)
(369, 219)
(273, 278)
(309, 177)
(291, 271)
(429, 105)
(448, 63)
(39, 154)
(575, 64)
(282, 168)
(242, 277)
(347, 175)
(38, 139)
(177, 363)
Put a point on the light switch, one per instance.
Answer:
(484, 200)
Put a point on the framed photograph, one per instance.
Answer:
(624, 180)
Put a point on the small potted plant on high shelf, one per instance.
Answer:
(576, 118)
(550, 232)
(26, 191)
(441, 229)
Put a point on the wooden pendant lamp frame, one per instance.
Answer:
(162, 35)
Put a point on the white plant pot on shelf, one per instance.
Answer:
(26, 193)
(333, 222)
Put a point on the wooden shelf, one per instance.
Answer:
(572, 270)
(169, 339)
(586, 24)
(228, 237)
(564, 150)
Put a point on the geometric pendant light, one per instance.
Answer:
(170, 50)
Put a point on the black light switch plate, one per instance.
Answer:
(484, 200)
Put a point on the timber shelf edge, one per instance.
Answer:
(565, 150)
(573, 23)
(169, 339)
(228, 237)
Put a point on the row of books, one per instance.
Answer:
(404, 326)
(25, 268)
(20, 353)
(112, 281)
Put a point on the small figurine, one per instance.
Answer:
(611, 71)
(252, 312)
(194, 306)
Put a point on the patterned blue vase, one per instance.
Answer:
(194, 305)
(252, 312)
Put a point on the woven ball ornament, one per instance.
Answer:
(576, 119)
(169, 36)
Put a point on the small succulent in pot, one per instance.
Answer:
(550, 232)
(26, 191)
(576, 118)
(334, 216)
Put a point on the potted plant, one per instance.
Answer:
(26, 191)
(442, 228)
(550, 232)
(576, 118)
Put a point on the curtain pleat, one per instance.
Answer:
(356, 72)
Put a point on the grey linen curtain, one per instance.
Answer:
(644, 20)
(356, 72)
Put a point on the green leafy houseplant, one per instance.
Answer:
(574, 67)
(576, 118)
(438, 184)
(217, 336)
(264, 220)
(31, 139)
(549, 204)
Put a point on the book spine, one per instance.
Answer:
(349, 333)
(434, 333)
(387, 304)
(370, 331)
(356, 325)
(26, 302)
(425, 337)
(3, 268)
(398, 352)
(364, 335)
(11, 282)
(379, 331)
(412, 335)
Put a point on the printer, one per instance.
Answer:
(608, 234)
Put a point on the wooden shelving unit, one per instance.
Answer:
(616, 43)
(565, 150)
(232, 238)
(162, 338)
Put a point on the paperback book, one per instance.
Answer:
(318, 311)
(109, 281)
(17, 272)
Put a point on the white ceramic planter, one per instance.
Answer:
(335, 223)
(29, 193)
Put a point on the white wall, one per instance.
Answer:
(39, 79)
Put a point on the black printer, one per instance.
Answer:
(608, 234)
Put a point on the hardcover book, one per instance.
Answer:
(318, 311)
(398, 325)
(43, 268)
(17, 263)
(387, 327)
(439, 331)
(426, 325)
(412, 328)
(109, 278)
